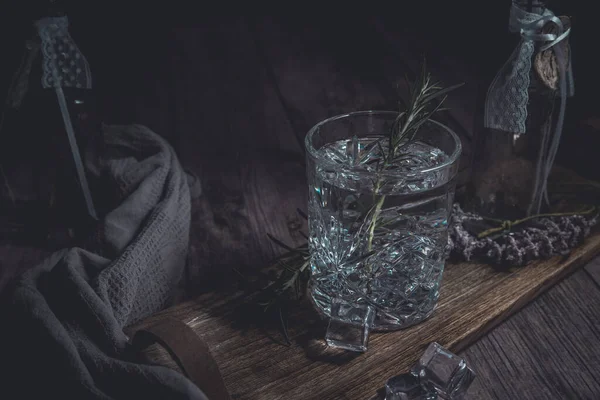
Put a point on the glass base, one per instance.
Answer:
(382, 321)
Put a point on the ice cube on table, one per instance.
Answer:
(409, 387)
(448, 373)
(349, 325)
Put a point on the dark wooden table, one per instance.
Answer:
(236, 96)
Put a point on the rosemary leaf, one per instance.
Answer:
(280, 243)
(302, 214)
(383, 155)
(441, 92)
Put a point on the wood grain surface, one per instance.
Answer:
(474, 299)
(593, 268)
(546, 351)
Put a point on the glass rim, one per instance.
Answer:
(452, 158)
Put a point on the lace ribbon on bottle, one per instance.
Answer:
(63, 64)
(507, 97)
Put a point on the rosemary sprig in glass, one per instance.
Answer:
(426, 98)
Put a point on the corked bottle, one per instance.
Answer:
(524, 113)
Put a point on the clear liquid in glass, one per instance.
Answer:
(379, 240)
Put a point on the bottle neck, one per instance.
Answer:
(534, 6)
(51, 8)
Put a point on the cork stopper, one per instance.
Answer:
(545, 62)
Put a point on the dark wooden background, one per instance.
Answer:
(235, 96)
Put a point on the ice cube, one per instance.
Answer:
(349, 325)
(408, 387)
(448, 373)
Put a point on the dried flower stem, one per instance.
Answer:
(506, 225)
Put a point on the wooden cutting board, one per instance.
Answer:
(255, 365)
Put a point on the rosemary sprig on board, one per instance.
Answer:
(289, 284)
(294, 274)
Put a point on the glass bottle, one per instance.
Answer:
(508, 168)
(40, 183)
